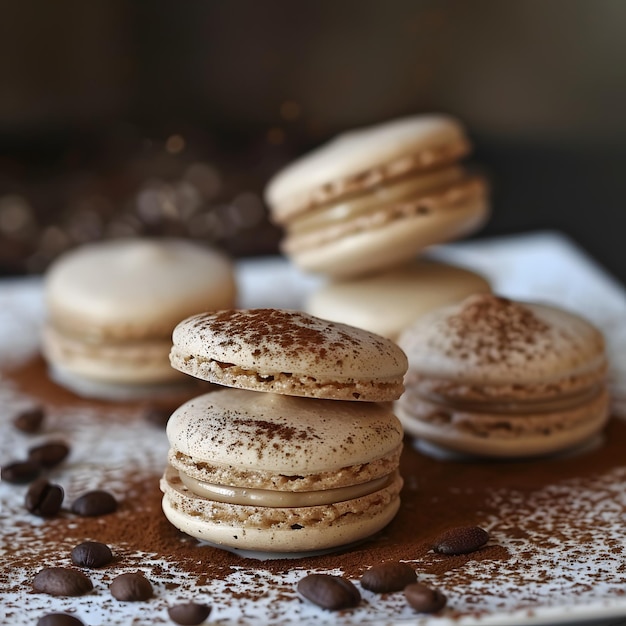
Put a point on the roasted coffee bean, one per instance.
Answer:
(461, 540)
(20, 472)
(131, 587)
(189, 614)
(157, 416)
(43, 498)
(424, 599)
(29, 420)
(61, 581)
(388, 577)
(91, 554)
(94, 503)
(49, 454)
(59, 619)
(329, 592)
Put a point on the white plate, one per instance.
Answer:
(544, 266)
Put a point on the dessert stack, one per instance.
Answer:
(301, 452)
(361, 208)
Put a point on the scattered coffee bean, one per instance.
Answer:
(94, 503)
(43, 498)
(461, 540)
(189, 614)
(29, 420)
(329, 592)
(388, 577)
(61, 581)
(20, 472)
(424, 599)
(91, 554)
(59, 619)
(49, 454)
(131, 587)
(157, 416)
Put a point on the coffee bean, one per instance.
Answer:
(43, 498)
(29, 420)
(59, 619)
(329, 592)
(388, 577)
(61, 581)
(20, 472)
(424, 599)
(157, 416)
(94, 503)
(49, 454)
(131, 587)
(189, 614)
(91, 554)
(461, 540)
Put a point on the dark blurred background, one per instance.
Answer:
(162, 117)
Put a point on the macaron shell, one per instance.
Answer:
(289, 352)
(388, 302)
(246, 431)
(341, 166)
(278, 529)
(390, 241)
(511, 436)
(487, 340)
(135, 288)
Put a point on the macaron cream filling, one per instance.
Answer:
(271, 498)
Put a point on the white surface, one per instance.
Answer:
(545, 267)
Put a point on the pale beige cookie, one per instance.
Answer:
(112, 305)
(375, 197)
(261, 471)
(387, 302)
(501, 378)
(289, 352)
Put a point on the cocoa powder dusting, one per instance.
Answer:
(489, 328)
(551, 521)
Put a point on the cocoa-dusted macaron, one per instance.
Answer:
(288, 352)
(375, 197)
(500, 378)
(268, 472)
(112, 306)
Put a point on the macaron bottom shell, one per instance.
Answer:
(388, 243)
(563, 431)
(267, 529)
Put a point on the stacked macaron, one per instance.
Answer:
(302, 452)
(369, 202)
(499, 378)
(112, 306)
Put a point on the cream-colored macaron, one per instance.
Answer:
(112, 306)
(375, 197)
(388, 302)
(288, 352)
(500, 378)
(261, 471)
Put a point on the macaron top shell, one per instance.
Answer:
(133, 288)
(246, 430)
(488, 340)
(428, 139)
(289, 352)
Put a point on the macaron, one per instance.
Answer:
(375, 197)
(500, 378)
(274, 473)
(112, 306)
(388, 302)
(288, 352)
